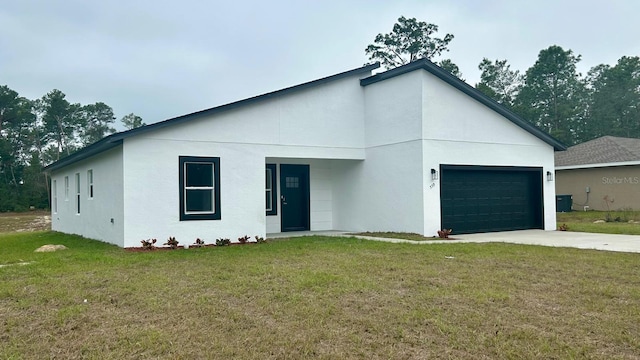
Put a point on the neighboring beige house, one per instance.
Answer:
(601, 174)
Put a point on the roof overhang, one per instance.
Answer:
(91, 150)
(600, 165)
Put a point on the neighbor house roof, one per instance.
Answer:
(602, 151)
(116, 139)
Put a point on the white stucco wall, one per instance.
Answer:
(306, 127)
(151, 201)
(416, 122)
(325, 121)
(384, 192)
(94, 220)
(460, 131)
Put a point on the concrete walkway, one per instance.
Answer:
(608, 242)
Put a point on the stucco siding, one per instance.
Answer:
(619, 184)
(328, 118)
(457, 130)
(450, 115)
(393, 110)
(101, 216)
(382, 193)
(151, 171)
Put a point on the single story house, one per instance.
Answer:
(601, 174)
(412, 149)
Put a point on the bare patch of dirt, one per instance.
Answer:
(25, 221)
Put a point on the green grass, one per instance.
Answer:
(584, 221)
(316, 297)
(400, 235)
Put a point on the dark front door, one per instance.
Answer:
(294, 197)
(485, 199)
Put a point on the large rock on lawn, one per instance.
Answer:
(50, 248)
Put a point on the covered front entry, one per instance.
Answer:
(294, 197)
(484, 198)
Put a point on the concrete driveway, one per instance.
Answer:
(608, 242)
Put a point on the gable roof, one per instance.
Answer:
(603, 150)
(467, 89)
(116, 139)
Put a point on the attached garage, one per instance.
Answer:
(484, 199)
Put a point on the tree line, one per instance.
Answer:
(35, 133)
(551, 94)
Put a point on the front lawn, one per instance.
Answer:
(316, 297)
(614, 222)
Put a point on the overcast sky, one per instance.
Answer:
(160, 59)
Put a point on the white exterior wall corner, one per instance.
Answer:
(152, 192)
(384, 192)
(458, 130)
(96, 214)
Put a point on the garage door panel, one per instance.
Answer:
(483, 199)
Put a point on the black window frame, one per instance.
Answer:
(274, 190)
(215, 162)
(78, 192)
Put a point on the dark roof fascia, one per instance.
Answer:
(103, 145)
(469, 90)
(117, 138)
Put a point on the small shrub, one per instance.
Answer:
(222, 242)
(444, 233)
(608, 202)
(199, 242)
(243, 239)
(172, 242)
(260, 240)
(626, 214)
(148, 244)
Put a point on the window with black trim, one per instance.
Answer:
(66, 188)
(271, 196)
(77, 193)
(90, 183)
(54, 191)
(199, 188)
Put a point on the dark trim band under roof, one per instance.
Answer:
(452, 80)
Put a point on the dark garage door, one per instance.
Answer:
(483, 199)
